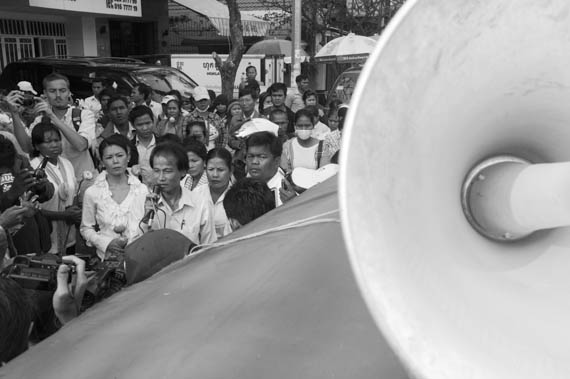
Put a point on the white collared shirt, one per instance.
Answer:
(193, 218)
(145, 151)
(221, 222)
(274, 184)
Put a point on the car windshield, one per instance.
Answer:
(163, 81)
(344, 86)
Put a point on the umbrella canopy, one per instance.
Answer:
(347, 49)
(276, 47)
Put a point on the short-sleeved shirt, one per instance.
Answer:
(81, 160)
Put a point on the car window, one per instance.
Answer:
(343, 87)
(163, 81)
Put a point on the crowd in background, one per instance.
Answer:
(90, 176)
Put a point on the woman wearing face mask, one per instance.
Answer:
(173, 121)
(302, 150)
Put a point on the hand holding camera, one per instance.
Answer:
(68, 295)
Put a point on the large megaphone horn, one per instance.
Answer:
(454, 191)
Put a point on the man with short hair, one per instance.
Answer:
(142, 119)
(295, 98)
(76, 127)
(263, 156)
(247, 102)
(92, 103)
(247, 200)
(217, 132)
(279, 117)
(250, 74)
(142, 95)
(278, 93)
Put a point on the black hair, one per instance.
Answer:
(220, 99)
(53, 77)
(138, 111)
(276, 87)
(192, 145)
(39, 132)
(169, 138)
(250, 67)
(106, 92)
(174, 150)
(118, 97)
(15, 319)
(223, 154)
(308, 93)
(300, 78)
(247, 91)
(115, 140)
(175, 93)
(247, 200)
(99, 80)
(212, 94)
(7, 152)
(306, 112)
(262, 98)
(265, 139)
(275, 112)
(201, 124)
(144, 90)
(342, 117)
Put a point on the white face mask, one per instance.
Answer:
(303, 134)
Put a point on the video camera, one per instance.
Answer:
(39, 273)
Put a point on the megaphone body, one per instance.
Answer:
(449, 86)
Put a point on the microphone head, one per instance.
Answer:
(156, 189)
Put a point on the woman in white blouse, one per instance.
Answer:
(114, 205)
(219, 171)
(59, 210)
(303, 150)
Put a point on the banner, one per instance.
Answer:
(115, 7)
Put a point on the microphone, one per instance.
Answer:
(149, 216)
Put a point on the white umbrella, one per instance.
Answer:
(277, 47)
(347, 49)
(257, 125)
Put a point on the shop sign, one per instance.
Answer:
(114, 7)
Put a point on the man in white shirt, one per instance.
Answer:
(78, 130)
(142, 95)
(92, 103)
(179, 209)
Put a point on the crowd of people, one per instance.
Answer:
(91, 176)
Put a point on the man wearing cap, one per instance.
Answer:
(218, 135)
(78, 131)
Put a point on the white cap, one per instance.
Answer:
(257, 125)
(201, 93)
(26, 87)
(306, 177)
(168, 98)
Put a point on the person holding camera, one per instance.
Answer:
(17, 310)
(21, 185)
(60, 209)
(76, 126)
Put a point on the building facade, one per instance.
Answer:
(36, 28)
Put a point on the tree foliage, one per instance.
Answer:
(364, 17)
